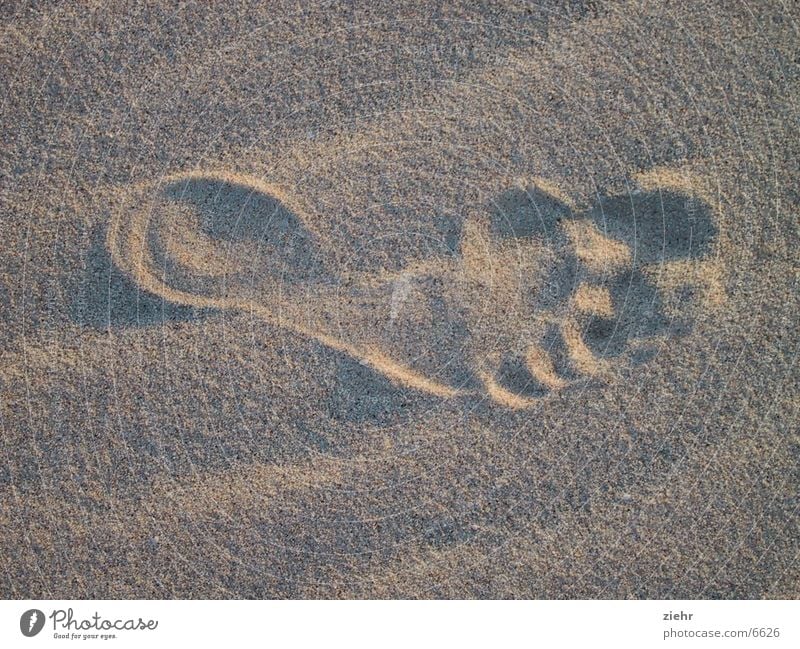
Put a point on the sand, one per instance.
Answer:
(418, 301)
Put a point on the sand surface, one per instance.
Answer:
(421, 300)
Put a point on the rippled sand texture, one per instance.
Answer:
(419, 302)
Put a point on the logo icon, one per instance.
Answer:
(31, 622)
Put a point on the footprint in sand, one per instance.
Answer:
(538, 297)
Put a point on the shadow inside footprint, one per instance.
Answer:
(526, 213)
(638, 313)
(360, 394)
(232, 214)
(658, 225)
(106, 297)
(514, 375)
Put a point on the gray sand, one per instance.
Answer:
(414, 301)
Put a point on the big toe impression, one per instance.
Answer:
(660, 225)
